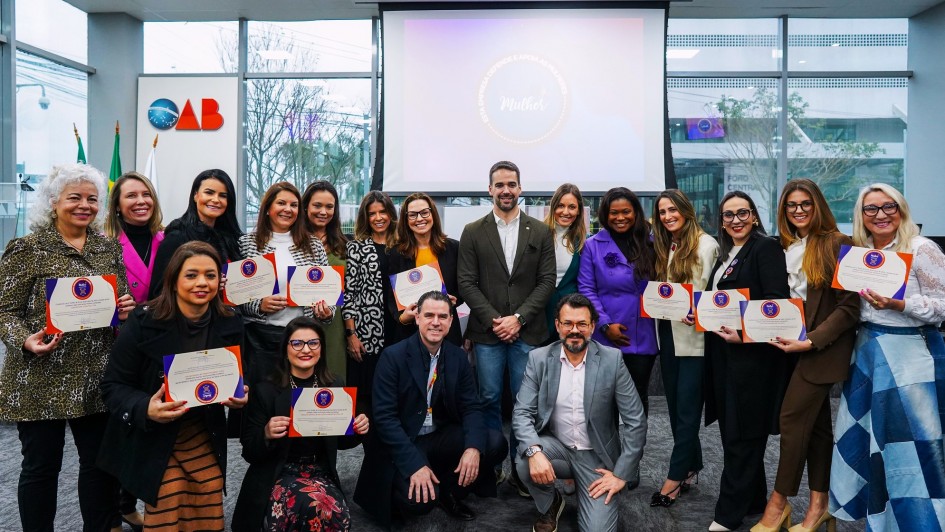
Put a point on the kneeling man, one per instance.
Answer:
(432, 442)
(566, 421)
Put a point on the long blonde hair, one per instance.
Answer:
(575, 236)
(686, 265)
(907, 228)
(820, 254)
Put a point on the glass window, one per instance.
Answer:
(191, 47)
(55, 26)
(317, 46)
(719, 45)
(303, 130)
(50, 98)
(847, 44)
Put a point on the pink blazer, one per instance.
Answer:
(139, 273)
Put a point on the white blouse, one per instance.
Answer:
(796, 278)
(925, 289)
(721, 271)
(687, 341)
(563, 256)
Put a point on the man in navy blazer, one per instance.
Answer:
(431, 442)
(578, 415)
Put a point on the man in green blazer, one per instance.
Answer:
(506, 274)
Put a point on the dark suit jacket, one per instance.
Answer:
(400, 406)
(745, 383)
(491, 290)
(135, 449)
(267, 457)
(831, 317)
(448, 262)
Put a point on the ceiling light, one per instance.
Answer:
(802, 62)
(681, 54)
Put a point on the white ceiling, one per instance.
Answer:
(203, 10)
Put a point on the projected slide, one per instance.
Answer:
(568, 95)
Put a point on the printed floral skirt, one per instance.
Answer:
(305, 498)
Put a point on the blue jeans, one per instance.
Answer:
(491, 361)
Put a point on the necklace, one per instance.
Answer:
(72, 244)
(294, 385)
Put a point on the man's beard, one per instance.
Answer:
(498, 203)
(579, 348)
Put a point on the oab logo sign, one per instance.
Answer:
(164, 114)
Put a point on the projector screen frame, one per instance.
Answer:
(377, 177)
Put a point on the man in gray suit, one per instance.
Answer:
(506, 274)
(566, 420)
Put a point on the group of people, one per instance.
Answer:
(553, 312)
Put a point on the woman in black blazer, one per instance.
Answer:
(421, 241)
(745, 383)
(292, 484)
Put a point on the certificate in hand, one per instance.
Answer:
(764, 320)
(322, 412)
(666, 301)
(714, 309)
(81, 303)
(884, 272)
(250, 279)
(308, 285)
(410, 285)
(204, 377)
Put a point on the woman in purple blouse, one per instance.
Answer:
(616, 264)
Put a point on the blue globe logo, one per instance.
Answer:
(163, 113)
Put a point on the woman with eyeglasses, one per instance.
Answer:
(292, 483)
(811, 243)
(421, 241)
(745, 383)
(888, 461)
(684, 254)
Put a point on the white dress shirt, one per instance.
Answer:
(563, 255)
(925, 289)
(796, 278)
(568, 422)
(508, 237)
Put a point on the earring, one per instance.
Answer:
(756, 223)
(54, 215)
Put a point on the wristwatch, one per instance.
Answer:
(349, 333)
(532, 450)
(603, 328)
(521, 320)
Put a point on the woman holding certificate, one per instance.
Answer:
(744, 382)
(51, 380)
(811, 243)
(616, 264)
(322, 221)
(566, 219)
(292, 483)
(421, 242)
(368, 325)
(172, 454)
(684, 254)
(279, 231)
(889, 427)
(210, 218)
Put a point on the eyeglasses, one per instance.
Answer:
(425, 213)
(570, 325)
(805, 206)
(741, 214)
(312, 344)
(888, 208)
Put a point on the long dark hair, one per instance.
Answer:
(725, 241)
(165, 304)
(335, 240)
(407, 242)
(642, 255)
(283, 370)
(362, 224)
(575, 235)
(226, 225)
(300, 237)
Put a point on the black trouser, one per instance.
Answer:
(743, 489)
(37, 493)
(682, 381)
(261, 354)
(640, 368)
(443, 449)
(361, 375)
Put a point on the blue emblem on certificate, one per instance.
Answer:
(721, 299)
(206, 391)
(665, 290)
(315, 274)
(874, 259)
(248, 269)
(415, 276)
(82, 288)
(324, 398)
(770, 309)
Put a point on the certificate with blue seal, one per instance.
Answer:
(408, 286)
(81, 303)
(250, 279)
(713, 309)
(884, 272)
(666, 301)
(204, 377)
(322, 412)
(307, 285)
(765, 320)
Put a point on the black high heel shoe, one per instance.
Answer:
(664, 500)
(687, 484)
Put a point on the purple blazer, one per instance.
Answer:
(607, 280)
(139, 273)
